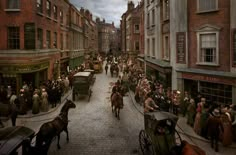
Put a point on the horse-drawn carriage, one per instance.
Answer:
(114, 69)
(13, 140)
(97, 66)
(161, 138)
(82, 84)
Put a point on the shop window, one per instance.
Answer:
(40, 38)
(48, 39)
(48, 7)
(207, 5)
(55, 12)
(40, 6)
(13, 38)
(218, 93)
(208, 48)
(13, 4)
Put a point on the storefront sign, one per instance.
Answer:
(207, 78)
(24, 68)
(180, 47)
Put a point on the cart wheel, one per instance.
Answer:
(146, 143)
(178, 139)
(90, 93)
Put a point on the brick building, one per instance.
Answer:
(210, 66)
(31, 39)
(107, 37)
(194, 46)
(131, 41)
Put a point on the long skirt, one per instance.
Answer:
(197, 125)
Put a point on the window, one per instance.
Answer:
(61, 17)
(153, 47)
(148, 20)
(29, 34)
(39, 6)
(40, 38)
(48, 7)
(136, 28)
(153, 17)
(13, 38)
(61, 41)
(55, 40)
(207, 5)
(48, 39)
(234, 47)
(166, 48)
(55, 11)
(166, 9)
(13, 4)
(220, 93)
(136, 45)
(148, 47)
(208, 48)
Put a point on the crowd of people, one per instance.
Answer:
(37, 100)
(209, 119)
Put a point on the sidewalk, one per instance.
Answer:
(182, 127)
(36, 117)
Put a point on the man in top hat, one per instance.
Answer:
(214, 126)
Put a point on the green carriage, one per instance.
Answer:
(82, 84)
(159, 136)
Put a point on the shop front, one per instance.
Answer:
(16, 75)
(159, 70)
(215, 87)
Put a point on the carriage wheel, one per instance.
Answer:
(90, 93)
(146, 143)
(178, 139)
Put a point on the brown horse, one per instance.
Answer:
(53, 128)
(117, 103)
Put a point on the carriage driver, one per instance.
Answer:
(149, 104)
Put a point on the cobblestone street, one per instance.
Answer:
(95, 130)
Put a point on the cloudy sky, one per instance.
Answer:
(110, 10)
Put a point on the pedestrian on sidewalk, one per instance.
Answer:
(191, 111)
(214, 127)
(106, 68)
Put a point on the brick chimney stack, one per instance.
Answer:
(130, 5)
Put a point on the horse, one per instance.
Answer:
(117, 103)
(53, 128)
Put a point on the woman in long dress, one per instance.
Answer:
(197, 124)
(191, 111)
(44, 103)
(36, 101)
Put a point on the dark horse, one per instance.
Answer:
(114, 69)
(53, 128)
(117, 104)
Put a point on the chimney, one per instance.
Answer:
(113, 24)
(91, 16)
(103, 21)
(130, 5)
(82, 10)
(97, 20)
